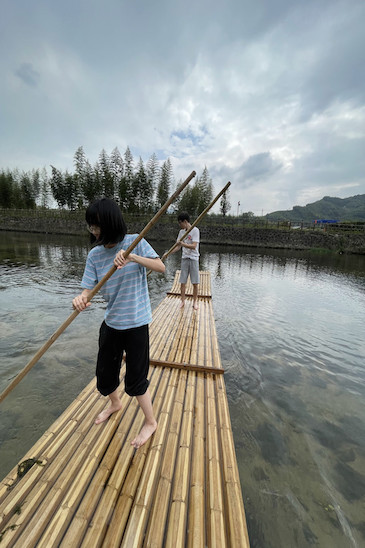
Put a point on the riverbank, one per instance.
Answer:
(73, 223)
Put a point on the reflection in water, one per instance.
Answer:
(290, 329)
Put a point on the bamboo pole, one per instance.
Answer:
(158, 517)
(197, 220)
(92, 293)
(197, 500)
(176, 528)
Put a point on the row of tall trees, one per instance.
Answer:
(24, 190)
(138, 187)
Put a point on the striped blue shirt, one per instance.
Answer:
(126, 291)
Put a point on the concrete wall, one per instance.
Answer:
(66, 222)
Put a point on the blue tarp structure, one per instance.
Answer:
(325, 221)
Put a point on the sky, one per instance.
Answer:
(269, 95)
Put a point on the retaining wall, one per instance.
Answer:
(67, 222)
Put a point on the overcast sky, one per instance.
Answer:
(268, 94)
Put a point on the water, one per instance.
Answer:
(291, 334)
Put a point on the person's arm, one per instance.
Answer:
(193, 239)
(189, 246)
(80, 302)
(177, 247)
(151, 264)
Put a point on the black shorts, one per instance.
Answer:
(112, 344)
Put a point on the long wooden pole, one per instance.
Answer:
(188, 366)
(197, 220)
(75, 313)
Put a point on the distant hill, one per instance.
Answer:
(339, 209)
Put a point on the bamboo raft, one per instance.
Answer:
(87, 486)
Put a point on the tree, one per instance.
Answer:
(80, 164)
(71, 190)
(91, 186)
(17, 195)
(197, 197)
(145, 188)
(225, 204)
(138, 181)
(58, 187)
(165, 182)
(44, 190)
(27, 191)
(188, 200)
(7, 184)
(153, 172)
(116, 167)
(204, 187)
(126, 182)
(106, 175)
(36, 184)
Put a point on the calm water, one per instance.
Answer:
(291, 333)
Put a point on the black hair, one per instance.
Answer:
(183, 216)
(106, 214)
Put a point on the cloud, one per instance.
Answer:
(28, 74)
(259, 166)
(268, 95)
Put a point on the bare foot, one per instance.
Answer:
(182, 304)
(104, 415)
(195, 306)
(147, 430)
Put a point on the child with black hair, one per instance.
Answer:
(128, 312)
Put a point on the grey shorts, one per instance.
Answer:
(189, 266)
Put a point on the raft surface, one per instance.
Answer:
(91, 488)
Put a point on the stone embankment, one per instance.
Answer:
(68, 222)
(307, 238)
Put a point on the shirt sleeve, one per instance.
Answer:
(195, 234)
(89, 279)
(144, 249)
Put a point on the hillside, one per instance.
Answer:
(340, 209)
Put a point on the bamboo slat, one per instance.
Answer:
(46, 439)
(176, 529)
(216, 532)
(197, 518)
(160, 507)
(91, 488)
(105, 506)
